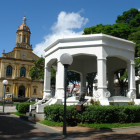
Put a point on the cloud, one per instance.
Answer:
(139, 9)
(65, 26)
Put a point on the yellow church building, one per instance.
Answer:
(15, 66)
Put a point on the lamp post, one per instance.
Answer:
(66, 60)
(5, 82)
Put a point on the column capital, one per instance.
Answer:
(48, 66)
(101, 59)
(130, 63)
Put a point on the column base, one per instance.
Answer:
(101, 93)
(131, 94)
(60, 93)
(47, 94)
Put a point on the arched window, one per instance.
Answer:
(22, 71)
(9, 70)
(24, 37)
(7, 90)
(34, 91)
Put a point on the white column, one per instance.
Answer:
(47, 82)
(131, 80)
(111, 83)
(60, 80)
(2, 70)
(102, 88)
(56, 84)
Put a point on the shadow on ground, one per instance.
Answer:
(11, 128)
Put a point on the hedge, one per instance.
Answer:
(23, 107)
(94, 114)
(24, 99)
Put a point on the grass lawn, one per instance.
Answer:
(31, 103)
(108, 125)
(96, 126)
(50, 123)
(18, 113)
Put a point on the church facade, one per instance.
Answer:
(15, 66)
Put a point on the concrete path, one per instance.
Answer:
(13, 128)
(8, 109)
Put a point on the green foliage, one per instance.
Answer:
(51, 123)
(23, 107)
(131, 103)
(93, 114)
(73, 77)
(111, 103)
(17, 106)
(55, 113)
(107, 125)
(20, 99)
(130, 17)
(97, 102)
(91, 101)
(37, 71)
(90, 77)
(18, 113)
(127, 27)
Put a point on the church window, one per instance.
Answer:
(23, 46)
(34, 91)
(20, 38)
(7, 90)
(9, 70)
(22, 71)
(24, 37)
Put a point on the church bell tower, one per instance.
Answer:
(23, 36)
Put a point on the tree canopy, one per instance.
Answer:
(37, 71)
(127, 26)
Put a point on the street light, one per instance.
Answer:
(5, 82)
(66, 60)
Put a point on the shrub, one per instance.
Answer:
(20, 99)
(111, 103)
(23, 107)
(94, 114)
(91, 101)
(17, 106)
(55, 113)
(97, 102)
(131, 103)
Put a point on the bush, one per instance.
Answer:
(23, 107)
(55, 113)
(20, 99)
(111, 103)
(94, 114)
(131, 103)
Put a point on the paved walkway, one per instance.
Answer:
(12, 128)
(8, 109)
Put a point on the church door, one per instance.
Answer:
(21, 92)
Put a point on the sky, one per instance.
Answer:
(50, 20)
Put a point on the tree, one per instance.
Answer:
(90, 79)
(135, 37)
(37, 71)
(126, 27)
(73, 77)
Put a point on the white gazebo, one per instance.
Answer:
(99, 53)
